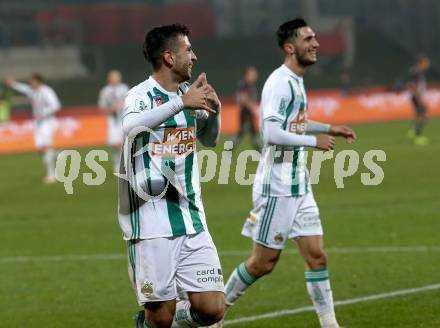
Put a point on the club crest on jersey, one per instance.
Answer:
(158, 100)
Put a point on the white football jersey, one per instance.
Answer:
(110, 94)
(282, 170)
(171, 147)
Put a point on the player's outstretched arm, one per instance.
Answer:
(19, 87)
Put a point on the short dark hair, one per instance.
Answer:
(159, 39)
(289, 29)
(38, 77)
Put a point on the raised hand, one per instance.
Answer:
(197, 95)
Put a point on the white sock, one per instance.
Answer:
(318, 287)
(49, 157)
(237, 284)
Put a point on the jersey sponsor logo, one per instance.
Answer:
(299, 125)
(147, 288)
(176, 142)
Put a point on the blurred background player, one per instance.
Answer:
(417, 87)
(284, 206)
(111, 101)
(247, 99)
(45, 104)
(5, 103)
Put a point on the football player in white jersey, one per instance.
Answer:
(111, 101)
(45, 104)
(171, 253)
(284, 207)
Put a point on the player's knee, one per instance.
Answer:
(260, 268)
(317, 259)
(160, 315)
(211, 313)
(161, 320)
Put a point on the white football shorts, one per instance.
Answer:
(44, 132)
(163, 269)
(273, 220)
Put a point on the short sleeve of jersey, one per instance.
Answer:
(275, 99)
(134, 103)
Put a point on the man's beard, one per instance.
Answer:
(182, 73)
(303, 61)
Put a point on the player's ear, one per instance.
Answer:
(288, 48)
(168, 58)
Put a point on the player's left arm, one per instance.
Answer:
(208, 125)
(334, 130)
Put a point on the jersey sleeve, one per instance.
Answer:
(276, 98)
(134, 103)
(22, 88)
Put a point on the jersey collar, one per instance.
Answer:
(291, 73)
(153, 82)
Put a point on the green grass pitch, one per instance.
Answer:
(43, 282)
